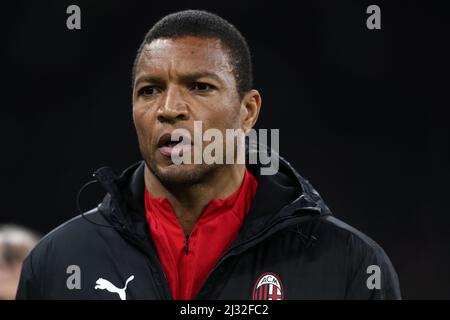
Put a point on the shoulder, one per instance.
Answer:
(71, 236)
(72, 242)
(362, 255)
(344, 234)
(344, 240)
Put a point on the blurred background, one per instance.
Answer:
(362, 113)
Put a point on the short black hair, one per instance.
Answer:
(203, 24)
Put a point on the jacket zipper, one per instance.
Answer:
(186, 245)
(166, 291)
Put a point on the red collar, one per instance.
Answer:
(187, 262)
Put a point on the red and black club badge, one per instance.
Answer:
(268, 287)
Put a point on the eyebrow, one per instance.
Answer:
(150, 79)
(189, 77)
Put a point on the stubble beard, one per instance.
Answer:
(174, 176)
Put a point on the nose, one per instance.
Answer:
(174, 108)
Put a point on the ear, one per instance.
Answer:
(250, 106)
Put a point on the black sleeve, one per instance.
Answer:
(372, 275)
(28, 288)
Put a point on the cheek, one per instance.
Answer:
(142, 114)
(228, 117)
(222, 121)
(138, 120)
(143, 124)
(225, 114)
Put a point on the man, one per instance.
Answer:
(198, 230)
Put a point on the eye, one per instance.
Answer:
(147, 91)
(201, 86)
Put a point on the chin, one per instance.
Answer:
(184, 174)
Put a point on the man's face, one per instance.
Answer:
(179, 81)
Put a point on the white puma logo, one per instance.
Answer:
(103, 284)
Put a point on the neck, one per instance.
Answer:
(189, 203)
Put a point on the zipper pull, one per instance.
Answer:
(186, 247)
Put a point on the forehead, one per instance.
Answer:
(187, 54)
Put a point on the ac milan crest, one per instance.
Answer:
(268, 287)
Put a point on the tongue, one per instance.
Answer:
(167, 150)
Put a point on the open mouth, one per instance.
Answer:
(168, 145)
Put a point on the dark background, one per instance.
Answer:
(362, 113)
